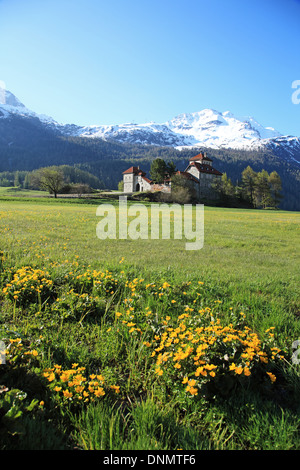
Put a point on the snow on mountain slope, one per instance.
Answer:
(11, 105)
(207, 128)
(148, 133)
(210, 128)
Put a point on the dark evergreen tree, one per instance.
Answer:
(158, 170)
(171, 168)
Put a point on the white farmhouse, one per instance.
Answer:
(135, 180)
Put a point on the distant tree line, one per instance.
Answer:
(256, 189)
(55, 179)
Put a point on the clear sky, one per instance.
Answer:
(116, 61)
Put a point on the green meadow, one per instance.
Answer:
(142, 344)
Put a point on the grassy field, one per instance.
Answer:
(14, 191)
(141, 344)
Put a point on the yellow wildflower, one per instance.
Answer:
(67, 394)
(51, 377)
(99, 392)
(272, 376)
(192, 382)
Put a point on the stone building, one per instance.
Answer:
(199, 171)
(200, 167)
(135, 180)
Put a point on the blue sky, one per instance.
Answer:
(108, 62)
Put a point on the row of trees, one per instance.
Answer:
(256, 189)
(14, 178)
(54, 179)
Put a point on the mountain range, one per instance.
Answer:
(207, 128)
(25, 136)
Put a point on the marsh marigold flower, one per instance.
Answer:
(272, 376)
(99, 392)
(67, 394)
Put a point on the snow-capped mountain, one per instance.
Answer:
(146, 134)
(207, 128)
(213, 129)
(10, 105)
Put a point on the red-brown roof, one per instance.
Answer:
(202, 168)
(147, 179)
(187, 175)
(135, 170)
(200, 156)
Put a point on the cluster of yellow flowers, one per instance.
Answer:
(73, 385)
(190, 348)
(68, 384)
(17, 352)
(134, 287)
(27, 283)
(193, 353)
(95, 279)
